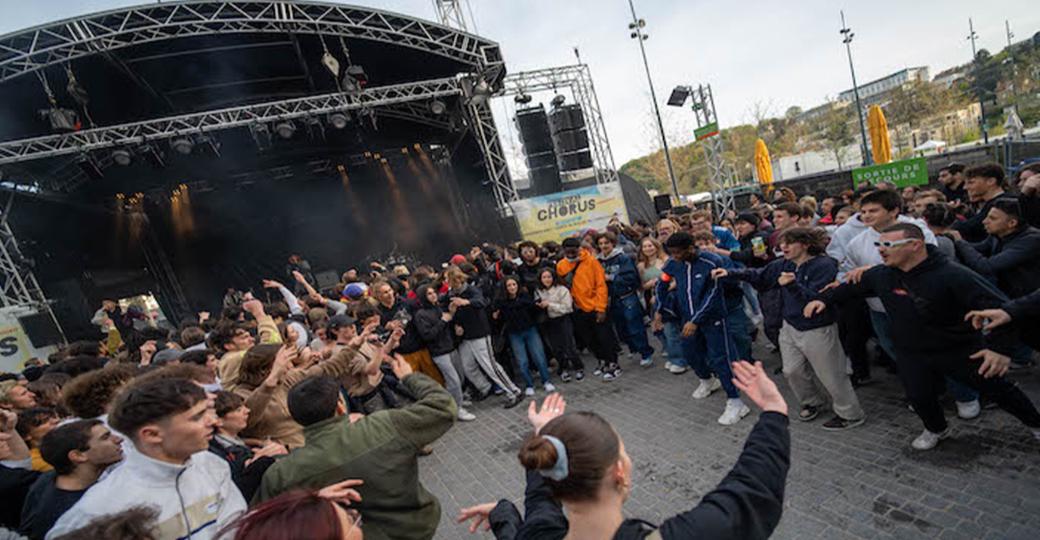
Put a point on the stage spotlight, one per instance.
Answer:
(122, 157)
(62, 120)
(338, 120)
(558, 100)
(438, 107)
(679, 96)
(285, 130)
(182, 145)
(522, 99)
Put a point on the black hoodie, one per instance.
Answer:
(927, 306)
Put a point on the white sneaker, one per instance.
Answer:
(676, 369)
(465, 415)
(706, 387)
(549, 387)
(968, 409)
(646, 362)
(735, 410)
(928, 440)
(668, 365)
(529, 391)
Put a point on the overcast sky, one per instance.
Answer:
(754, 53)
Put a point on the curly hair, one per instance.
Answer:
(90, 394)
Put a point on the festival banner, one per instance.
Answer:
(908, 172)
(14, 349)
(560, 215)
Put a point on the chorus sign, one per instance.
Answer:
(908, 172)
(559, 215)
(14, 348)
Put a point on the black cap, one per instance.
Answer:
(340, 321)
(749, 217)
(571, 242)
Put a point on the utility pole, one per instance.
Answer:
(636, 26)
(972, 36)
(1011, 58)
(847, 40)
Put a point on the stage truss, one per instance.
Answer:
(579, 79)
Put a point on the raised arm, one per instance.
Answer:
(433, 412)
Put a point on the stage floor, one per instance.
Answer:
(864, 483)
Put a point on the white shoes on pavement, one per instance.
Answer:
(968, 409)
(706, 387)
(549, 387)
(529, 392)
(675, 369)
(465, 416)
(928, 440)
(735, 410)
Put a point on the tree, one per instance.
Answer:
(918, 100)
(836, 130)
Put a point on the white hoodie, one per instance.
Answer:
(197, 498)
(861, 251)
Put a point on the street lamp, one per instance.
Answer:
(847, 34)
(972, 36)
(636, 26)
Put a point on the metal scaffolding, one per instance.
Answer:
(18, 285)
(721, 179)
(579, 79)
(58, 43)
(449, 13)
(222, 119)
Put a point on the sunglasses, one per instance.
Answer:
(889, 244)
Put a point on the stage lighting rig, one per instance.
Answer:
(122, 156)
(182, 145)
(261, 136)
(438, 107)
(285, 129)
(338, 120)
(558, 100)
(61, 120)
(522, 99)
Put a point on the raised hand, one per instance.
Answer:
(994, 364)
(988, 319)
(480, 514)
(757, 386)
(401, 368)
(813, 309)
(254, 307)
(298, 276)
(342, 491)
(552, 406)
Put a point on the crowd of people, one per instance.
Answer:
(295, 412)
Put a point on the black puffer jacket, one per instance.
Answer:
(516, 314)
(1012, 262)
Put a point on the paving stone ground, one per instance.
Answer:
(864, 483)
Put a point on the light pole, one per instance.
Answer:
(636, 26)
(847, 40)
(1011, 59)
(972, 36)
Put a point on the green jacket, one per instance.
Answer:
(380, 449)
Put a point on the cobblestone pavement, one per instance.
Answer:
(984, 483)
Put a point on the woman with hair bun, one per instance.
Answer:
(579, 477)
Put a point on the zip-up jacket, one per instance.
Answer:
(809, 278)
(927, 306)
(197, 499)
(698, 297)
(436, 333)
(1012, 262)
(621, 274)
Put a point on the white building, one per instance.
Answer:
(815, 161)
(873, 92)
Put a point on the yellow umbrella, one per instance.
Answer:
(881, 146)
(763, 166)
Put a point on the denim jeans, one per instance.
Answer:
(627, 315)
(961, 392)
(739, 326)
(674, 342)
(710, 351)
(527, 346)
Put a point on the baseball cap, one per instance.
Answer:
(340, 321)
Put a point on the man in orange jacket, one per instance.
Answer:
(582, 273)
